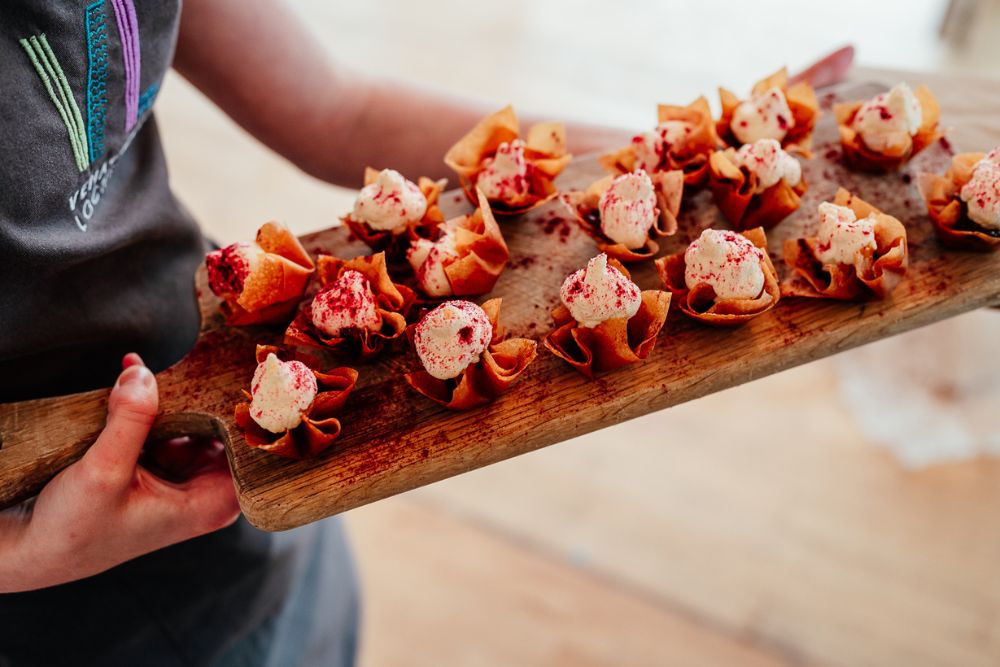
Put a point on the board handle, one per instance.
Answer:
(38, 438)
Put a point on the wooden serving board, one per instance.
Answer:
(395, 440)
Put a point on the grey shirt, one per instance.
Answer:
(97, 259)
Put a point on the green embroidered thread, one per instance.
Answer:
(49, 71)
(56, 100)
(64, 83)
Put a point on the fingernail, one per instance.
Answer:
(136, 375)
(132, 359)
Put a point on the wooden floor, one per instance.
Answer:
(753, 527)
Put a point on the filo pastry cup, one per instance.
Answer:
(319, 427)
(481, 254)
(273, 289)
(801, 99)
(483, 381)
(614, 343)
(948, 212)
(861, 156)
(392, 301)
(734, 188)
(874, 273)
(701, 303)
(689, 156)
(585, 206)
(396, 241)
(544, 152)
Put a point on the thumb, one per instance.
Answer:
(132, 407)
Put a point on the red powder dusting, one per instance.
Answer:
(227, 270)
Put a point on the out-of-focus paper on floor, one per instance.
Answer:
(930, 395)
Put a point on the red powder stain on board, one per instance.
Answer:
(555, 224)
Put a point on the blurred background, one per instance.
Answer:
(760, 525)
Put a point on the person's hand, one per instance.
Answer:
(106, 509)
(828, 70)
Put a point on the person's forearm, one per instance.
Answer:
(325, 119)
(13, 524)
(410, 128)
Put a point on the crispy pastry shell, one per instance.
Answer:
(585, 205)
(802, 103)
(611, 344)
(482, 382)
(947, 210)
(872, 274)
(272, 291)
(395, 241)
(393, 302)
(544, 151)
(482, 252)
(859, 155)
(319, 427)
(700, 302)
(733, 189)
(691, 158)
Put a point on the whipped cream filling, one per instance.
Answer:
(651, 147)
(889, 119)
(770, 163)
(599, 293)
(429, 259)
(982, 193)
(841, 235)
(346, 304)
(451, 337)
(229, 267)
(628, 209)
(766, 116)
(728, 262)
(281, 391)
(389, 202)
(505, 175)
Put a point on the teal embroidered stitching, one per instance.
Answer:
(148, 97)
(42, 58)
(95, 22)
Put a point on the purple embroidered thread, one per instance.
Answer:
(128, 31)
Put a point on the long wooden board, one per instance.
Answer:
(395, 440)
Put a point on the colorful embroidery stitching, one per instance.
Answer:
(148, 97)
(95, 21)
(128, 31)
(47, 66)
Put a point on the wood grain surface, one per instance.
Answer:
(395, 440)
